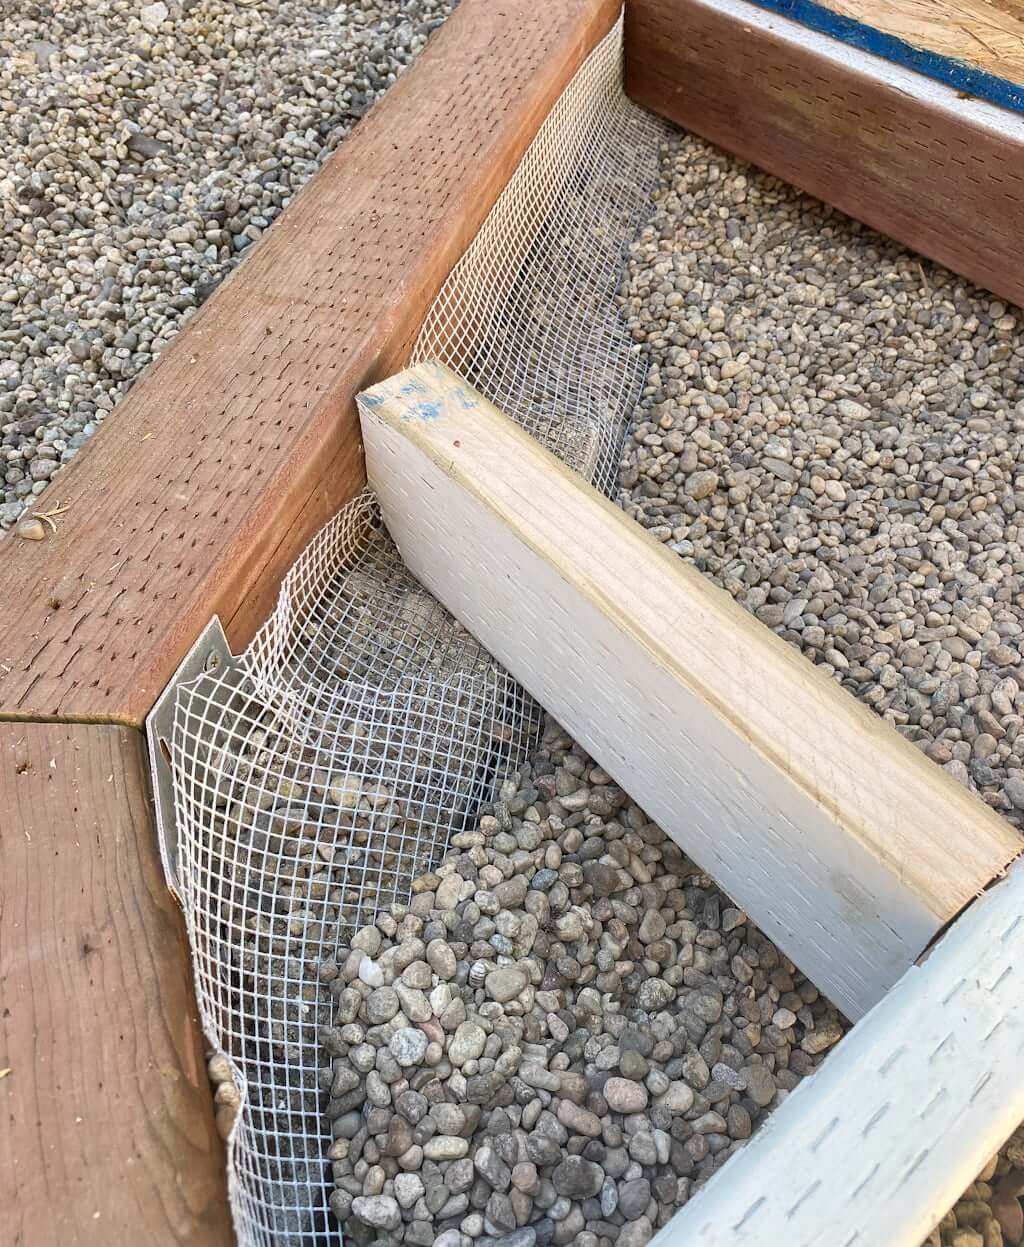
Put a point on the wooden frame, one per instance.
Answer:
(195, 497)
(226, 457)
(693, 700)
(856, 131)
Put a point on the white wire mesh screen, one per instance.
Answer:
(529, 314)
(366, 729)
(317, 776)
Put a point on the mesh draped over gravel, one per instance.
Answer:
(146, 146)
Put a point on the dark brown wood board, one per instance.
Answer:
(226, 456)
(106, 1123)
(942, 174)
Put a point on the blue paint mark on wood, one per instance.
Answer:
(978, 83)
(466, 401)
(423, 411)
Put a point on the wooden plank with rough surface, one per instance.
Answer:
(939, 173)
(840, 840)
(224, 459)
(108, 1134)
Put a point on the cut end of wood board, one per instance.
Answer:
(839, 839)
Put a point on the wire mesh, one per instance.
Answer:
(325, 769)
(529, 314)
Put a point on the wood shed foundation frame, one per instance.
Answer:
(211, 476)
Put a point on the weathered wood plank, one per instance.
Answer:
(107, 1133)
(242, 440)
(838, 838)
(901, 1118)
(941, 174)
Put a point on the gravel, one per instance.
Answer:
(569, 1028)
(146, 147)
(603, 1029)
(988, 1214)
(833, 431)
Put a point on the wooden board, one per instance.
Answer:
(838, 838)
(941, 174)
(227, 455)
(107, 1132)
(901, 1118)
(975, 46)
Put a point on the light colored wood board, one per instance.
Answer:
(906, 1111)
(107, 1132)
(986, 35)
(216, 469)
(849, 128)
(839, 839)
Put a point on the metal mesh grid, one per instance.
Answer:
(316, 776)
(367, 727)
(528, 315)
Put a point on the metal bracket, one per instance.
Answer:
(209, 656)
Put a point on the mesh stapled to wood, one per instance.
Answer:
(529, 315)
(316, 776)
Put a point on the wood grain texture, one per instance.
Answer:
(107, 1133)
(974, 46)
(987, 35)
(838, 838)
(226, 456)
(941, 174)
(903, 1115)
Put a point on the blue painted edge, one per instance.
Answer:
(977, 83)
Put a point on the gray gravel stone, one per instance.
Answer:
(408, 1046)
(625, 1096)
(146, 147)
(380, 1211)
(560, 1083)
(577, 1178)
(505, 983)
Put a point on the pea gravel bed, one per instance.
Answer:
(567, 1030)
(146, 147)
(832, 430)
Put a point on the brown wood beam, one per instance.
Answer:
(942, 174)
(227, 455)
(107, 1133)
